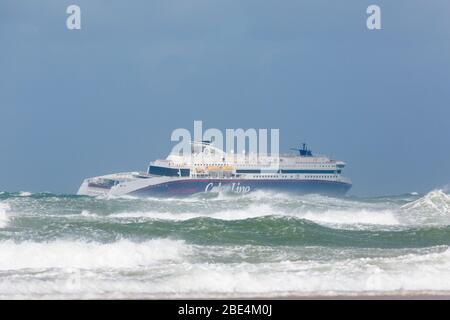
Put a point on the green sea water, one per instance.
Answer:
(254, 245)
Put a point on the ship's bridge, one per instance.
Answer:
(200, 152)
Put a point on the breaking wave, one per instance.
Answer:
(436, 201)
(4, 218)
(89, 255)
(433, 208)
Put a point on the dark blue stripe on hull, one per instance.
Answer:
(192, 186)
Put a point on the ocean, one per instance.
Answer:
(259, 245)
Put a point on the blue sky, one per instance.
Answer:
(107, 97)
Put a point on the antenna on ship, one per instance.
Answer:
(303, 151)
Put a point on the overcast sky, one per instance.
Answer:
(78, 103)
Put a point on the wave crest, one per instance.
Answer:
(89, 255)
(436, 201)
(4, 218)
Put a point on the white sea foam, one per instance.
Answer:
(89, 255)
(264, 195)
(87, 213)
(405, 273)
(25, 194)
(356, 217)
(4, 218)
(410, 273)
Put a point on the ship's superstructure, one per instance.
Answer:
(209, 169)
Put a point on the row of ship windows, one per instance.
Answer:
(277, 176)
(329, 176)
(292, 176)
(258, 165)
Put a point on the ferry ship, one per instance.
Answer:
(209, 169)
